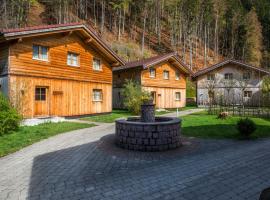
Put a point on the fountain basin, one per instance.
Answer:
(161, 135)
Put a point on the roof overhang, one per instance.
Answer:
(172, 58)
(221, 64)
(87, 32)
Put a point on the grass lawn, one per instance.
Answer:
(28, 135)
(116, 114)
(208, 126)
(108, 118)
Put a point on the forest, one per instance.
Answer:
(202, 31)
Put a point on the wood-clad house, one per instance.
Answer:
(163, 76)
(57, 70)
(230, 82)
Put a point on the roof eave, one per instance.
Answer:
(27, 33)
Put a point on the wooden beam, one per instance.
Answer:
(65, 34)
(88, 40)
(115, 64)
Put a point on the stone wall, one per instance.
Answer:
(148, 136)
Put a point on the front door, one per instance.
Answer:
(41, 101)
(153, 95)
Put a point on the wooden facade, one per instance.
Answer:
(51, 87)
(166, 93)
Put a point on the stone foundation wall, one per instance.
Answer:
(148, 137)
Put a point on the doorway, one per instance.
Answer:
(42, 101)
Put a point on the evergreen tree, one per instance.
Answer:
(253, 46)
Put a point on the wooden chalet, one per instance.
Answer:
(163, 76)
(57, 70)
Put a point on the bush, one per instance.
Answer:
(134, 96)
(246, 127)
(9, 117)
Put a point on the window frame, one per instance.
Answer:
(39, 53)
(249, 76)
(248, 92)
(164, 72)
(41, 96)
(177, 76)
(210, 77)
(177, 99)
(72, 59)
(100, 64)
(101, 95)
(229, 77)
(153, 70)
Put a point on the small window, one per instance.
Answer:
(210, 77)
(73, 59)
(229, 76)
(97, 95)
(166, 75)
(40, 53)
(177, 76)
(177, 96)
(97, 64)
(246, 76)
(40, 94)
(247, 94)
(152, 72)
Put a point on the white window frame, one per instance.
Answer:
(229, 77)
(166, 72)
(39, 53)
(210, 77)
(94, 64)
(73, 55)
(176, 96)
(151, 71)
(248, 92)
(100, 95)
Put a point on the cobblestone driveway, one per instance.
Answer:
(85, 164)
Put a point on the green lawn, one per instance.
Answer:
(108, 118)
(208, 126)
(28, 135)
(116, 114)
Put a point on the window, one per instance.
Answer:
(152, 73)
(246, 76)
(210, 77)
(96, 64)
(97, 95)
(228, 76)
(177, 76)
(73, 59)
(177, 96)
(247, 94)
(40, 53)
(166, 74)
(40, 94)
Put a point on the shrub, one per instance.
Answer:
(246, 127)
(9, 117)
(134, 96)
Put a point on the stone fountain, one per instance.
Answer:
(148, 133)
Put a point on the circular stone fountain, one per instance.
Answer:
(148, 133)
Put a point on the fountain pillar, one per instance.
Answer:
(148, 112)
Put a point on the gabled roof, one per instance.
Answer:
(149, 62)
(221, 64)
(86, 31)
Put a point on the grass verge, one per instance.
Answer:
(28, 135)
(209, 126)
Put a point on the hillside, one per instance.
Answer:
(203, 32)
